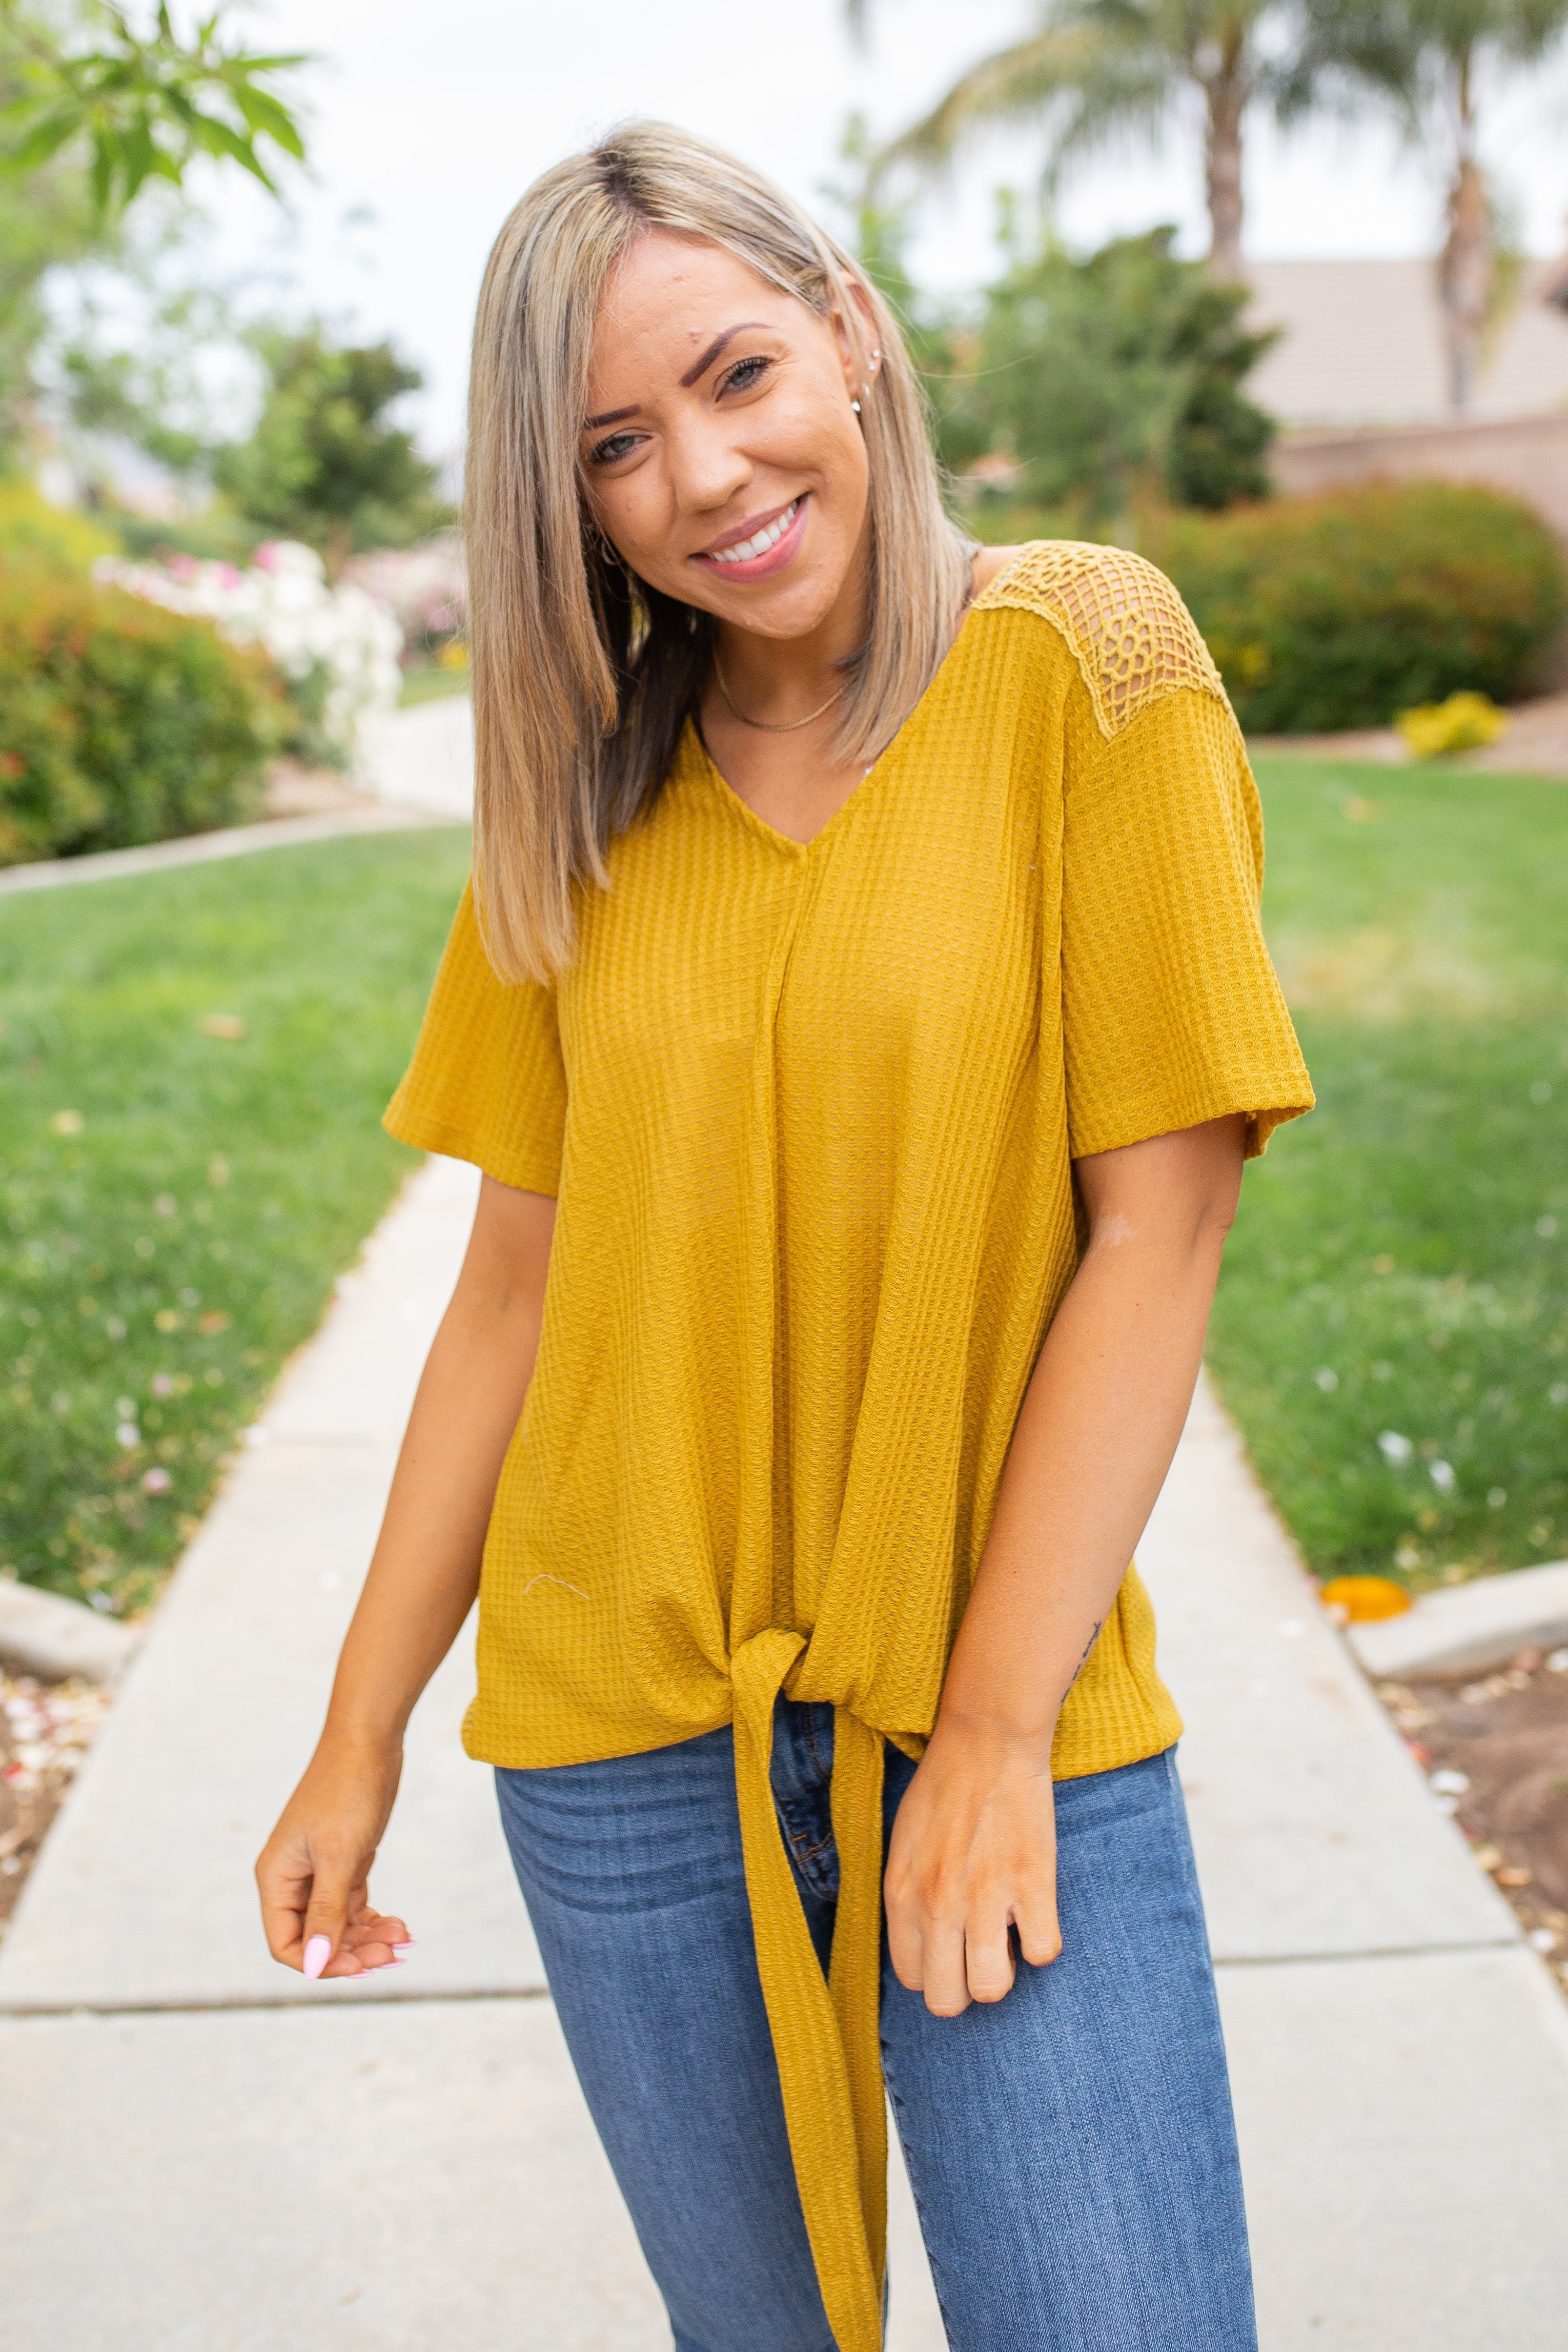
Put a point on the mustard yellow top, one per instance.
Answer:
(810, 1113)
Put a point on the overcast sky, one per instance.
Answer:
(427, 124)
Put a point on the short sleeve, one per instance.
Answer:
(1172, 1012)
(486, 1082)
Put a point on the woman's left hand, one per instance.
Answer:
(972, 1855)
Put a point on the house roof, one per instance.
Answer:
(1362, 344)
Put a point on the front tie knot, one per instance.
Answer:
(825, 2035)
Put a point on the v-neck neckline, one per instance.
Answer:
(804, 849)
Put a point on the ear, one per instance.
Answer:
(858, 352)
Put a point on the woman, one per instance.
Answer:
(861, 1010)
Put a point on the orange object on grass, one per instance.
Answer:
(1364, 1597)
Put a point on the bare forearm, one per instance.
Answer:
(1099, 1425)
(972, 1855)
(424, 1571)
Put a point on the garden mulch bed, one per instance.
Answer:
(1495, 1751)
(1535, 742)
(46, 1730)
(293, 790)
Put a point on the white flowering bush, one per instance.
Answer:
(338, 648)
(426, 586)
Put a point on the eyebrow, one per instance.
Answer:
(701, 367)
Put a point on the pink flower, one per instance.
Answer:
(156, 1482)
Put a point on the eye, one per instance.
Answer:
(607, 452)
(745, 374)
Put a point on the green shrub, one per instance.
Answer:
(1340, 610)
(1110, 379)
(215, 535)
(46, 537)
(119, 722)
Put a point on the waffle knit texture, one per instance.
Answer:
(809, 1113)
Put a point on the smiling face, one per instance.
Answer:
(723, 460)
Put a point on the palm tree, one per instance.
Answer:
(1097, 68)
(1428, 60)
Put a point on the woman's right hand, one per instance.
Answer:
(314, 1870)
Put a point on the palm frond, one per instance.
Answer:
(1097, 70)
(1106, 112)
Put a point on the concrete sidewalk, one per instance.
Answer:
(423, 758)
(1399, 2056)
(200, 2153)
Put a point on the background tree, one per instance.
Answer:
(158, 391)
(1429, 62)
(324, 464)
(1115, 382)
(1092, 69)
(88, 120)
(141, 106)
(877, 231)
(45, 224)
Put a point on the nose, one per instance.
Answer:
(707, 468)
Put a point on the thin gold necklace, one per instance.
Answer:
(773, 726)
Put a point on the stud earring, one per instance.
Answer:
(856, 406)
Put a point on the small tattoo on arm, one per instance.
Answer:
(1088, 1646)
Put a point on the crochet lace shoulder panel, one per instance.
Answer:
(1131, 634)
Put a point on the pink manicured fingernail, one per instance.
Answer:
(317, 1952)
(405, 1948)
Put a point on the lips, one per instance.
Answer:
(764, 550)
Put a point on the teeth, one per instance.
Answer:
(761, 540)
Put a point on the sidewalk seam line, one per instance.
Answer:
(1372, 1952)
(221, 2008)
(217, 2007)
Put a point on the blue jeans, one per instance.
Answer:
(1070, 2148)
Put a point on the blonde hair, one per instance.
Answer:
(583, 677)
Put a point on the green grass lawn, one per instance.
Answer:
(1399, 1269)
(432, 685)
(178, 1197)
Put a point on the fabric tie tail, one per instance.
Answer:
(826, 2035)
